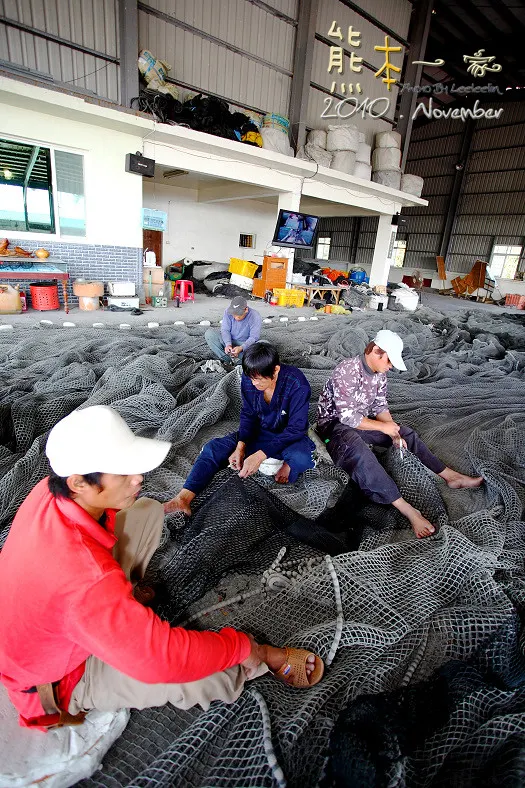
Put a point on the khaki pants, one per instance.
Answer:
(102, 687)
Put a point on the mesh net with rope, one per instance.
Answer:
(422, 639)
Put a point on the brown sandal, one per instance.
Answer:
(293, 669)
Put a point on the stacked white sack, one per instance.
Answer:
(388, 139)
(312, 152)
(386, 159)
(412, 184)
(363, 171)
(390, 178)
(342, 138)
(317, 137)
(344, 161)
(364, 152)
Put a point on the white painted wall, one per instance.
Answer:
(210, 231)
(113, 196)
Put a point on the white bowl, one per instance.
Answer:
(270, 466)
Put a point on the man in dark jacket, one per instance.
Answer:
(273, 423)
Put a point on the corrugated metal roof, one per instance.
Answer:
(237, 22)
(512, 113)
(498, 137)
(20, 161)
(494, 182)
(92, 25)
(210, 67)
(396, 15)
(509, 159)
(502, 204)
(431, 167)
(423, 149)
(371, 36)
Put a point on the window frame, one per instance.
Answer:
(248, 235)
(39, 235)
(493, 253)
(317, 242)
(397, 240)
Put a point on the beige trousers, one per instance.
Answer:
(138, 530)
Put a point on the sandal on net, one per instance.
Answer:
(293, 669)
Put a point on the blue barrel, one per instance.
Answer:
(357, 276)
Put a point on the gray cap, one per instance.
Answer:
(237, 306)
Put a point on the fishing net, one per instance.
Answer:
(422, 639)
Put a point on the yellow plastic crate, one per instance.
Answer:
(289, 297)
(242, 267)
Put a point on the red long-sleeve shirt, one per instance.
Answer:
(63, 597)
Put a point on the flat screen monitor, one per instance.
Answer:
(295, 229)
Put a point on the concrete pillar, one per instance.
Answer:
(383, 250)
(288, 201)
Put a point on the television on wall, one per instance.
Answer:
(295, 230)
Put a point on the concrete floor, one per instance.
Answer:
(212, 308)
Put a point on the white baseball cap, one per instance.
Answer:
(98, 440)
(392, 344)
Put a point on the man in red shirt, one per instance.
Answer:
(73, 636)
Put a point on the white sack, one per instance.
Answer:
(344, 161)
(364, 152)
(58, 758)
(314, 153)
(386, 159)
(317, 137)
(412, 184)
(390, 178)
(342, 138)
(388, 139)
(361, 136)
(276, 140)
(363, 171)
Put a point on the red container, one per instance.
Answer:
(515, 299)
(44, 296)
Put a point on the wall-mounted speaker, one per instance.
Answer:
(399, 221)
(140, 165)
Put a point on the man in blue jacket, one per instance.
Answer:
(240, 328)
(273, 423)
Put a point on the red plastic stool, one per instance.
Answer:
(183, 291)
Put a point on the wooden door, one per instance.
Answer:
(152, 240)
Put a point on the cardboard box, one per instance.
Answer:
(156, 273)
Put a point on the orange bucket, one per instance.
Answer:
(44, 296)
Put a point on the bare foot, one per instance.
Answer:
(283, 474)
(420, 525)
(460, 481)
(181, 503)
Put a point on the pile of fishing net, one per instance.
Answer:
(422, 639)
